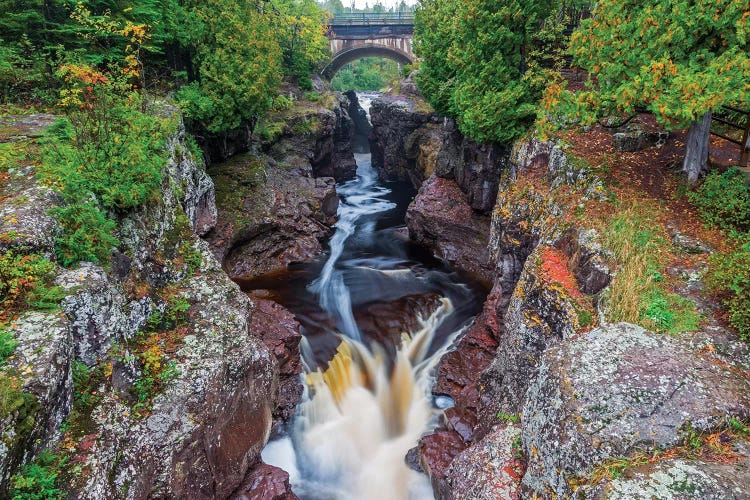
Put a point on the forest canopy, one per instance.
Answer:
(228, 57)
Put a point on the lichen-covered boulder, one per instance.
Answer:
(676, 479)
(546, 308)
(35, 389)
(488, 470)
(209, 424)
(615, 390)
(99, 313)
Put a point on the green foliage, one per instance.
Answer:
(269, 131)
(668, 312)
(638, 293)
(482, 62)
(238, 61)
(299, 28)
(676, 58)
(509, 418)
(723, 200)
(36, 480)
(85, 385)
(156, 370)
(729, 277)
(17, 408)
(8, 345)
(106, 155)
(22, 72)
(86, 236)
(369, 73)
(24, 282)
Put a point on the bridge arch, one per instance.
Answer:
(351, 54)
(354, 36)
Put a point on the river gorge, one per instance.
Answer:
(353, 300)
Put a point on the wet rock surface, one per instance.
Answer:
(436, 452)
(490, 469)
(280, 334)
(276, 206)
(265, 482)
(409, 142)
(656, 390)
(270, 215)
(442, 220)
(394, 118)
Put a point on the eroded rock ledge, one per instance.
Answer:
(277, 203)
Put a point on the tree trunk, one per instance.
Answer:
(696, 149)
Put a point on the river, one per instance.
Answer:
(377, 313)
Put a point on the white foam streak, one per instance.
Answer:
(360, 197)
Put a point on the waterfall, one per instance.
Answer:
(364, 414)
(368, 403)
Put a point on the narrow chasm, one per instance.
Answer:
(376, 313)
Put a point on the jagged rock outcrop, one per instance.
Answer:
(270, 214)
(409, 141)
(280, 334)
(198, 431)
(546, 278)
(208, 426)
(35, 390)
(276, 206)
(358, 115)
(24, 219)
(394, 118)
(441, 219)
(657, 390)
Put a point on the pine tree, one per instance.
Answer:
(679, 59)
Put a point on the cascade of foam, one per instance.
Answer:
(365, 413)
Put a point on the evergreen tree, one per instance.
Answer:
(679, 59)
(477, 63)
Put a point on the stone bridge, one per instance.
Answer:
(354, 36)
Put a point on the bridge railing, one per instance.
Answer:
(368, 19)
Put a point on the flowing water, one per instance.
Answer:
(376, 315)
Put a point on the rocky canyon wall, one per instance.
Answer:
(169, 379)
(548, 393)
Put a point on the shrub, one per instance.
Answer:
(730, 278)
(36, 480)
(87, 234)
(85, 382)
(8, 345)
(24, 282)
(106, 155)
(723, 200)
